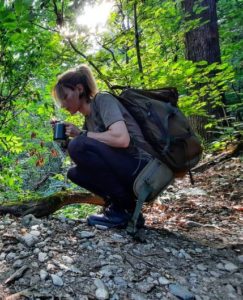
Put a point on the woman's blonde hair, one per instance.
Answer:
(71, 78)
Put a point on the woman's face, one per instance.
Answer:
(71, 101)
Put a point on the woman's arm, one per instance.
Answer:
(116, 136)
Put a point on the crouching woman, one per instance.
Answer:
(108, 155)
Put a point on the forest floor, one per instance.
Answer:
(193, 249)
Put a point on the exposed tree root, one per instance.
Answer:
(45, 206)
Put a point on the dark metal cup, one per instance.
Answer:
(59, 132)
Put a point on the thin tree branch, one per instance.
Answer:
(236, 93)
(111, 52)
(137, 43)
(90, 62)
(59, 15)
(113, 56)
(45, 28)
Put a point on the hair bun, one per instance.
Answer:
(82, 68)
(81, 74)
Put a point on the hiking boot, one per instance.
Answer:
(114, 218)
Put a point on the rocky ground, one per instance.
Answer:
(193, 249)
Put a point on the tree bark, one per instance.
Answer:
(48, 205)
(137, 42)
(202, 43)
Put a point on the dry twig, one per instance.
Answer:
(16, 275)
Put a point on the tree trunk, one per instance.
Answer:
(137, 42)
(140, 66)
(202, 43)
(46, 206)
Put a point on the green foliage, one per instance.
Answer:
(205, 85)
(230, 14)
(77, 211)
(26, 55)
(35, 48)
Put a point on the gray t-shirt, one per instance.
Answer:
(106, 110)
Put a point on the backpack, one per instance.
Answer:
(164, 126)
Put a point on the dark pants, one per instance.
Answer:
(106, 171)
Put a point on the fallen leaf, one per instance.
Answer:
(33, 135)
(54, 153)
(237, 207)
(40, 162)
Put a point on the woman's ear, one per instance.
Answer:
(80, 89)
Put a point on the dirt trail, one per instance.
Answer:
(193, 249)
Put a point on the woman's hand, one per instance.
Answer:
(71, 130)
(53, 121)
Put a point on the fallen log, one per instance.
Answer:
(48, 205)
(234, 150)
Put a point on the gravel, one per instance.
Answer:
(90, 263)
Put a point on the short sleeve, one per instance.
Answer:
(108, 109)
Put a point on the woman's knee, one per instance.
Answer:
(76, 146)
(71, 173)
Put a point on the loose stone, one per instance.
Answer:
(10, 256)
(42, 256)
(120, 282)
(30, 220)
(116, 257)
(99, 283)
(18, 264)
(43, 274)
(163, 281)
(101, 294)
(101, 227)
(145, 287)
(36, 251)
(60, 274)
(220, 266)
(50, 267)
(34, 264)
(231, 267)
(62, 218)
(230, 288)
(2, 256)
(35, 232)
(56, 280)
(34, 280)
(29, 239)
(181, 292)
(67, 259)
(75, 270)
(36, 227)
(86, 234)
(240, 258)
(138, 296)
(167, 250)
(215, 274)
(201, 267)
